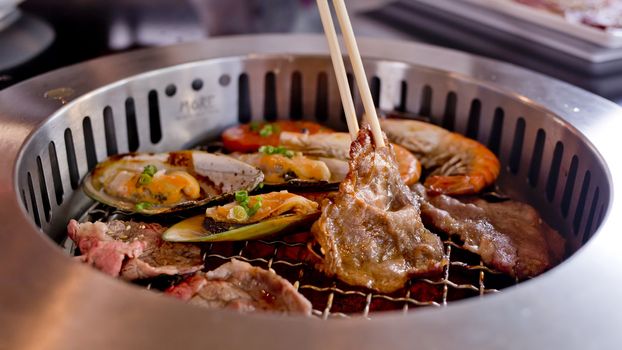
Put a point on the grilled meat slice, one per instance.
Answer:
(240, 286)
(509, 236)
(132, 250)
(371, 231)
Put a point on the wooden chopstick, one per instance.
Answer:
(340, 70)
(359, 71)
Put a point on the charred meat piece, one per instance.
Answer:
(509, 236)
(132, 250)
(240, 286)
(371, 232)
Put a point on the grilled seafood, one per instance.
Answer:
(457, 165)
(279, 169)
(158, 183)
(371, 232)
(249, 137)
(249, 217)
(333, 145)
(330, 148)
(270, 205)
(240, 286)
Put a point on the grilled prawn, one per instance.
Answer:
(334, 150)
(457, 165)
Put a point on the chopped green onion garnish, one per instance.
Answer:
(271, 150)
(267, 130)
(238, 213)
(266, 149)
(144, 179)
(260, 186)
(147, 175)
(143, 206)
(150, 170)
(252, 211)
(241, 196)
(243, 200)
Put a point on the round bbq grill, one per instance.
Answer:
(558, 146)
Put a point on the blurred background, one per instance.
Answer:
(40, 35)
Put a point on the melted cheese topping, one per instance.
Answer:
(164, 188)
(277, 167)
(272, 204)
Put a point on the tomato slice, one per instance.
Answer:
(249, 137)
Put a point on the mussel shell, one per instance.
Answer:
(297, 186)
(219, 177)
(193, 229)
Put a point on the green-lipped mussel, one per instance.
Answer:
(247, 218)
(149, 183)
(293, 171)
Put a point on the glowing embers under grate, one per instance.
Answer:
(465, 276)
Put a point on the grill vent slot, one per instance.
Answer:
(551, 183)
(403, 97)
(536, 158)
(295, 107)
(494, 142)
(58, 184)
(132, 128)
(74, 174)
(578, 215)
(601, 214)
(109, 131)
(244, 99)
(449, 117)
(517, 145)
(426, 101)
(269, 103)
(569, 189)
(47, 210)
(155, 128)
(374, 87)
(350, 77)
(24, 200)
(473, 121)
(89, 143)
(33, 200)
(321, 98)
(590, 218)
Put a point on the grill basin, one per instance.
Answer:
(556, 144)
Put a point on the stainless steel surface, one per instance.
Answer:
(551, 36)
(49, 301)
(610, 37)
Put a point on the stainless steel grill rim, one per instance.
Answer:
(533, 305)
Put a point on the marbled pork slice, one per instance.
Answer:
(371, 231)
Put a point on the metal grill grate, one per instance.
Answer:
(464, 276)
